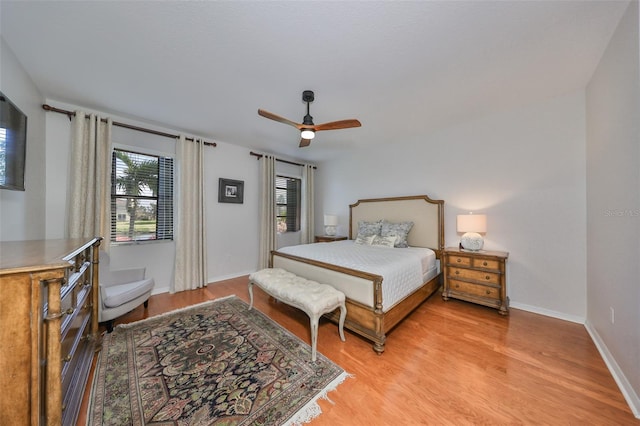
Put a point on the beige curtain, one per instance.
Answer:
(268, 210)
(89, 189)
(190, 236)
(308, 233)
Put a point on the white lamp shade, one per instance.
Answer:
(330, 220)
(472, 223)
(307, 134)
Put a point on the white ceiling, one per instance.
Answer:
(402, 68)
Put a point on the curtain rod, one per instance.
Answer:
(127, 126)
(255, 154)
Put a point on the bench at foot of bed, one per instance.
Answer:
(311, 297)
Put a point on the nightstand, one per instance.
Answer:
(329, 238)
(476, 276)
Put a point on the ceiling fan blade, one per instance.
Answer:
(272, 116)
(335, 125)
(304, 142)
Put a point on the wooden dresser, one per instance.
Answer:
(48, 328)
(476, 276)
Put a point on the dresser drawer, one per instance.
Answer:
(486, 264)
(475, 289)
(471, 274)
(72, 302)
(68, 301)
(75, 377)
(77, 326)
(459, 260)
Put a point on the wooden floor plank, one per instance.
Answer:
(448, 363)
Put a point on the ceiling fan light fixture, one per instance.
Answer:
(307, 134)
(307, 129)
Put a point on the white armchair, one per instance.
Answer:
(121, 291)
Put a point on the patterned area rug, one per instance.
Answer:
(216, 363)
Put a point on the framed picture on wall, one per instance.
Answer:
(230, 191)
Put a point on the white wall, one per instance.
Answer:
(22, 213)
(524, 168)
(613, 205)
(232, 229)
(40, 211)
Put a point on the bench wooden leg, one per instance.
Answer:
(250, 295)
(343, 315)
(314, 336)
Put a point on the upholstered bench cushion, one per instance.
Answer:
(117, 295)
(311, 296)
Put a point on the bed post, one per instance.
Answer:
(378, 345)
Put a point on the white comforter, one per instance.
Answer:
(403, 269)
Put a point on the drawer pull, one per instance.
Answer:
(457, 285)
(50, 317)
(457, 272)
(459, 260)
(488, 291)
(67, 358)
(484, 263)
(487, 277)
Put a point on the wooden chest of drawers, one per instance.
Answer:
(48, 328)
(478, 277)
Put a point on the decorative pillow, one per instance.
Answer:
(369, 228)
(384, 241)
(399, 230)
(365, 240)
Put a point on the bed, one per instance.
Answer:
(374, 304)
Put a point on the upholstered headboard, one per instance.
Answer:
(426, 214)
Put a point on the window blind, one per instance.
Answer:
(288, 203)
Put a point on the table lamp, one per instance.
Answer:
(472, 224)
(330, 223)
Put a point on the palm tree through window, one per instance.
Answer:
(141, 197)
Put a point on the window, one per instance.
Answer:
(141, 197)
(288, 204)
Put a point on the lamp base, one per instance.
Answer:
(330, 230)
(472, 241)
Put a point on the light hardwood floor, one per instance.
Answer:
(448, 363)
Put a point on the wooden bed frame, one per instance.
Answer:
(374, 323)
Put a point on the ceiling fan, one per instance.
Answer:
(307, 128)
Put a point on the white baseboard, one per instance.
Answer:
(160, 290)
(625, 387)
(548, 313)
(230, 276)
